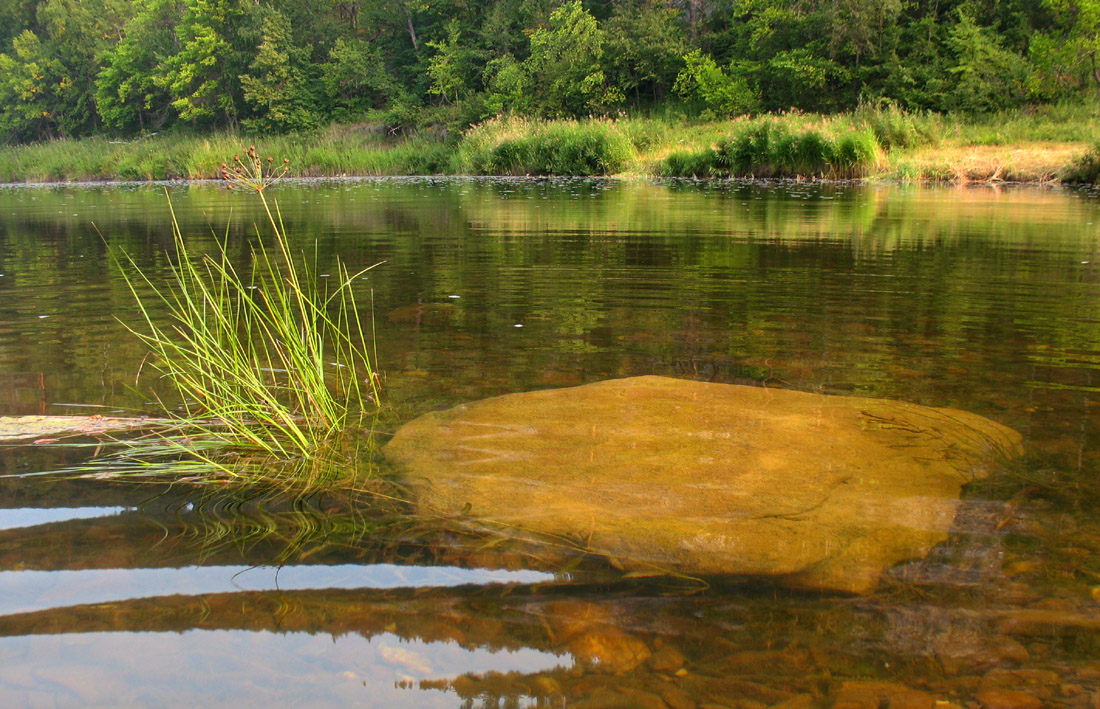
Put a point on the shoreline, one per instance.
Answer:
(868, 181)
(896, 147)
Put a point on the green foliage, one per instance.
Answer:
(128, 95)
(721, 93)
(984, 75)
(27, 80)
(558, 148)
(270, 367)
(686, 163)
(782, 148)
(793, 74)
(202, 79)
(1067, 56)
(77, 67)
(507, 86)
(452, 68)
(275, 86)
(564, 66)
(894, 127)
(1086, 168)
(644, 48)
(47, 80)
(355, 78)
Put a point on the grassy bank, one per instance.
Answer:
(1050, 143)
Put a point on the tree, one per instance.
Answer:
(507, 86)
(15, 16)
(858, 28)
(128, 94)
(28, 76)
(355, 78)
(202, 77)
(1068, 56)
(984, 75)
(275, 86)
(645, 47)
(452, 68)
(564, 65)
(722, 94)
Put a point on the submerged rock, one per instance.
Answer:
(822, 492)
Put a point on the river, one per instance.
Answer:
(981, 298)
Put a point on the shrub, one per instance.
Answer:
(894, 127)
(779, 149)
(1086, 168)
(558, 148)
(702, 163)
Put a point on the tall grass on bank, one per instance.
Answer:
(1085, 168)
(520, 147)
(271, 368)
(334, 151)
(1039, 144)
(767, 148)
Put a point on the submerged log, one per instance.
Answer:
(21, 429)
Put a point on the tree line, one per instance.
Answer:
(70, 68)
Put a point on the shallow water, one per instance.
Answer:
(976, 298)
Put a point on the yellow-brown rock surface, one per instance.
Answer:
(700, 478)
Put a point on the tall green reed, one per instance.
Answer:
(271, 367)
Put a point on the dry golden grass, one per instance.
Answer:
(1022, 162)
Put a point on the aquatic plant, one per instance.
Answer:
(269, 366)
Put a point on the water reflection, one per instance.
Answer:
(31, 517)
(27, 591)
(283, 669)
(979, 299)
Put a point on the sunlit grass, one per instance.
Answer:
(637, 146)
(795, 146)
(270, 367)
(519, 146)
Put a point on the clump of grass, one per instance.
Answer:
(1086, 168)
(783, 148)
(520, 147)
(894, 127)
(271, 368)
(687, 163)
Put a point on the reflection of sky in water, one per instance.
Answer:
(24, 591)
(31, 516)
(241, 669)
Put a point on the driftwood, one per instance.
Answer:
(50, 429)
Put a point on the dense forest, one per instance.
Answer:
(77, 67)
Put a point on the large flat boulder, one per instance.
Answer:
(822, 492)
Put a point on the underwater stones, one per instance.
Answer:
(662, 474)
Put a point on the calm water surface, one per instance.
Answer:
(983, 299)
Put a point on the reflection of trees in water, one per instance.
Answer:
(939, 628)
(629, 644)
(958, 298)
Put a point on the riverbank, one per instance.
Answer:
(1037, 146)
